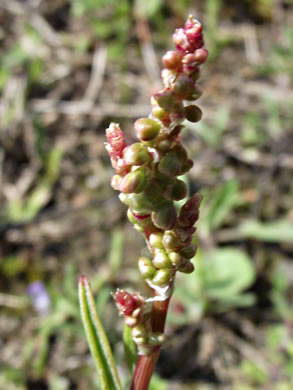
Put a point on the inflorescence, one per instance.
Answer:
(147, 175)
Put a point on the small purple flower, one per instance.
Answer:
(40, 297)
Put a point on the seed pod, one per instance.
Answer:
(165, 216)
(146, 267)
(175, 259)
(177, 190)
(136, 154)
(133, 182)
(155, 240)
(187, 267)
(172, 59)
(166, 99)
(183, 85)
(161, 260)
(147, 129)
(170, 241)
(170, 165)
(189, 251)
(193, 113)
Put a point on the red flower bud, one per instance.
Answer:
(201, 55)
(172, 59)
(127, 302)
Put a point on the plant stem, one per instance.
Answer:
(146, 363)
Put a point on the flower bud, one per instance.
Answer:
(146, 267)
(193, 113)
(186, 166)
(161, 260)
(139, 331)
(175, 259)
(164, 145)
(155, 240)
(153, 190)
(165, 216)
(162, 277)
(177, 190)
(170, 241)
(172, 59)
(170, 165)
(136, 154)
(130, 321)
(189, 251)
(159, 113)
(183, 85)
(180, 152)
(201, 55)
(166, 99)
(168, 77)
(133, 182)
(156, 338)
(138, 203)
(127, 302)
(180, 40)
(147, 129)
(137, 219)
(194, 95)
(116, 181)
(140, 340)
(187, 267)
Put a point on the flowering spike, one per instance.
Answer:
(147, 175)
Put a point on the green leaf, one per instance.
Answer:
(97, 339)
(129, 348)
(227, 272)
(277, 231)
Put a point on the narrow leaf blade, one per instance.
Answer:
(97, 339)
(129, 348)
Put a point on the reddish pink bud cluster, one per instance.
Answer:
(127, 303)
(115, 145)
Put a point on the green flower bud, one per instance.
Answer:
(170, 165)
(186, 166)
(189, 251)
(139, 203)
(139, 228)
(140, 341)
(167, 100)
(164, 145)
(133, 182)
(187, 267)
(170, 241)
(136, 154)
(175, 259)
(194, 95)
(165, 216)
(147, 129)
(180, 152)
(193, 113)
(155, 240)
(161, 260)
(153, 190)
(177, 190)
(139, 331)
(159, 113)
(156, 338)
(172, 59)
(146, 267)
(183, 85)
(162, 277)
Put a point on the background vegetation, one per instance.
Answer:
(67, 68)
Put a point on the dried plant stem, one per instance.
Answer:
(146, 363)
